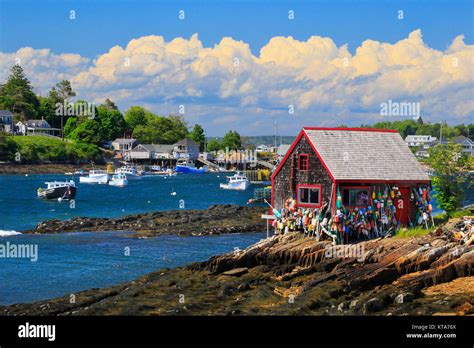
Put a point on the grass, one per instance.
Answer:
(40, 149)
(421, 230)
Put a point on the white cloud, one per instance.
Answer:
(325, 83)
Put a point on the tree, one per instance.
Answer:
(61, 91)
(47, 111)
(450, 167)
(87, 132)
(109, 104)
(232, 140)
(161, 129)
(136, 116)
(213, 145)
(8, 147)
(17, 94)
(197, 134)
(112, 123)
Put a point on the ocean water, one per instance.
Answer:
(78, 261)
(73, 262)
(20, 209)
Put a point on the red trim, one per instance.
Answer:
(288, 153)
(307, 161)
(309, 205)
(320, 158)
(353, 129)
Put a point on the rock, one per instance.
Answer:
(404, 297)
(243, 287)
(353, 304)
(373, 305)
(236, 272)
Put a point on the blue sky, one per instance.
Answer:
(100, 25)
(427, 58)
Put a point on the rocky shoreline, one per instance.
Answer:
(217, 219)
(294, 275)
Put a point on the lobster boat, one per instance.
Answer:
(58, 190)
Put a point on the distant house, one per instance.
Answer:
(6, 121)
(262, 148)
(425, 141)
(323, 164)
(36, 127)
(121, 144)
(186, 148)
(282, 150)
(151, 151)
(466, 143)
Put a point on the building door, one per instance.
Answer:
(403, 205)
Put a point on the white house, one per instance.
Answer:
(425, 141)
(36, 127)
(262, 148)
(466, 143)
(152, 151)
(121, 144)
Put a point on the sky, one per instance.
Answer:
(244, 65)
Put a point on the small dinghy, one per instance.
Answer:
(58, 190)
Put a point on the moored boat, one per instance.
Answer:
(186, 166)
(237, 181)
(119, 180)
(58, 190)
(130, 171)
(95, 177)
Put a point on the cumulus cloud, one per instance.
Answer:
(227, 85)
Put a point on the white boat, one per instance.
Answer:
(237, 181)
(130, 171)
(95, 177)
(119, 180)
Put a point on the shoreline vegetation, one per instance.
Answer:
(291, 274)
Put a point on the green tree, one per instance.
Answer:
(61, 91)
(197, 134)
(136, 116)
(47, 111)
(214, 145)
(161, 129)
(88, 132)
(70, 126)
(8, 148)
(109, 104)
(112, 122)
(450, 170)
(17, 95)
(232, 140)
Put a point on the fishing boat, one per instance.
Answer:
(186, 166)
(58, 190)
(130, 171)
(119, 180)
(95, 177)
(237, 181)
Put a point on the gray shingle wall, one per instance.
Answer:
(361, 155)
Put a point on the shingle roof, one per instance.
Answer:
(366, 155)
(5, 113)
(38, 123)
(187, 142)
(124, 141)
(159, 148)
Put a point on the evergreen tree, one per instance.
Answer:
(197, 134)
(17, 95)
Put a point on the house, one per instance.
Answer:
(186, 148)
(424, 141)
(6, 121)
(466, 143)
(262, 148)
(282, 150)
(151, 152)
(325, 165)
(36, 127)
(122, 144)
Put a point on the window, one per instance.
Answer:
(355, 196)
(309, 195)
(303, 162)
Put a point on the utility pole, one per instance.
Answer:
(440, 132)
